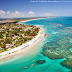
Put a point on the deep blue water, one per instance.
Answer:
(56, 28)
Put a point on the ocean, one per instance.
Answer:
(56, 28)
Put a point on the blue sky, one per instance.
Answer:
(25, 8)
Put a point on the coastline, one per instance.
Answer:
(24, 48)
(31, 20)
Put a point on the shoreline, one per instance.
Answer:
(31, 20)
(26, 47)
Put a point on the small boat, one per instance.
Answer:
(33, 61)
(32, 64)
(25, 67)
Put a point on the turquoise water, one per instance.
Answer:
(70, 49)
(56, 28)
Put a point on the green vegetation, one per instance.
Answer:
(13, 35)
(45, 35)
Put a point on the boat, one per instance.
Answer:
(25, 67)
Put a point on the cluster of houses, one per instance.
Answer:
(10, 45)
(7, 28)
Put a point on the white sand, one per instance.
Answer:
(31, 20)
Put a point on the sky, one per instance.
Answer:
(28, 8)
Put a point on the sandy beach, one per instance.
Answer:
(24, 48)
(31, 20)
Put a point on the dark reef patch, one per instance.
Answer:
(59, 48)
(51, 55)
(67, 63)
(40, 61)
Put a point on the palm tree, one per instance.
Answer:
(1, 36)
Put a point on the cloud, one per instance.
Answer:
(9, 14)
(2, 12)
(31, 13)
(15, 14)
(48, 14)
(18, 14)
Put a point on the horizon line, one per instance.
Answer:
(48, 1)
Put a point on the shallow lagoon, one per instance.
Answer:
(70, 49)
